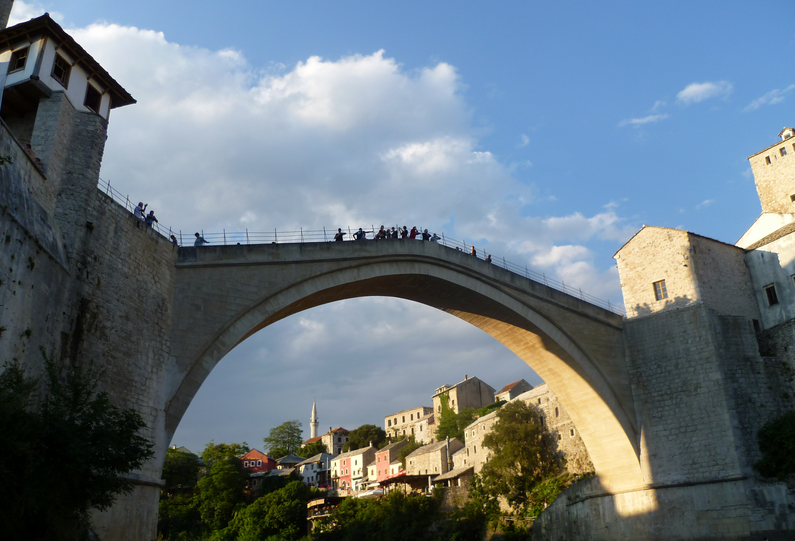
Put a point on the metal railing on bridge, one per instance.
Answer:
(227, 238)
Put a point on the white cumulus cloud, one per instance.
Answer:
(698, 92)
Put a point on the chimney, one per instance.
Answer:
(466, 377)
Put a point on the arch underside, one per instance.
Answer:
(580, 383)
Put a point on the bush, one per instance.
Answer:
(89, 442)
(777, 444)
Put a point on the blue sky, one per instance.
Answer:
(545, 134)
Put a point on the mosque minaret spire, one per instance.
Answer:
(313, 423)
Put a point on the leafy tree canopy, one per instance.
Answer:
(312, 449)
(92, 440)
(363, 436)
(777, 444)
(285, 439)
(221, 493)
(451, 424)
(277, 516)
(521, 454)
(215, 451)
(180, 470)
(397, 516)
(406, 450)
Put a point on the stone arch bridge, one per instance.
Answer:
(224, 294)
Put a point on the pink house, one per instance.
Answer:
(384, 457)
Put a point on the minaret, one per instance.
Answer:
(313, 424)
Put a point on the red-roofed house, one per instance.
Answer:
(258, 462)
(512, 390)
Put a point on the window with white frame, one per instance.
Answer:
(61, 69)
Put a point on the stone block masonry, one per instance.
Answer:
(83, 279)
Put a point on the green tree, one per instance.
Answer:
(397, 516)
(221, 493)
(180, 470)
(406, 450)
(284, 439)
(92, 442)
(451, 424)
(777, 443)
(521, 455)
(214, 451)
(178, 517)
(278, 516)
(364, 436)
(312, 449)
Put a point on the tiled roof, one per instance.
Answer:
(430, 448)
(354, 453)
(774, 236)
(452, 474)
(290, 459)
(509, 386)
(320, 457)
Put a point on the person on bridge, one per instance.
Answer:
(414, 232)
(150, 219)
(339, 235)
(473, 252)
(139, 210)
(361, 235)
(404, 233)
(488, 259)
(435, 238)
(200, 240)
(426, 235)
(381, 235)
(395, 233)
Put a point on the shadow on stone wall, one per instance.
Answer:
(645, 310)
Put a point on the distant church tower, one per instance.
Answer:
(313, 424)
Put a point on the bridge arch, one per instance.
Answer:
(226, 294)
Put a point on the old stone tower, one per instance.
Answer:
(78, 277)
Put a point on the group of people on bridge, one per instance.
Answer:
(388, 234)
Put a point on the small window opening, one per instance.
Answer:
(770, 292)
(61, 70)
(93, 98)
(783, 151)
(660, 291)
(792, 198)
(18, 60)
(767, 160)
(557, 413)
(571, 432)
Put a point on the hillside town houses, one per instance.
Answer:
(450, 462)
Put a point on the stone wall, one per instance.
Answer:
(702, 391)
(83, 279)
(694, 268)
(432, 459)
(557, 421)
(777, 347)
(733, 510)
(724, 282)
(775, 181)
(652, 255)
